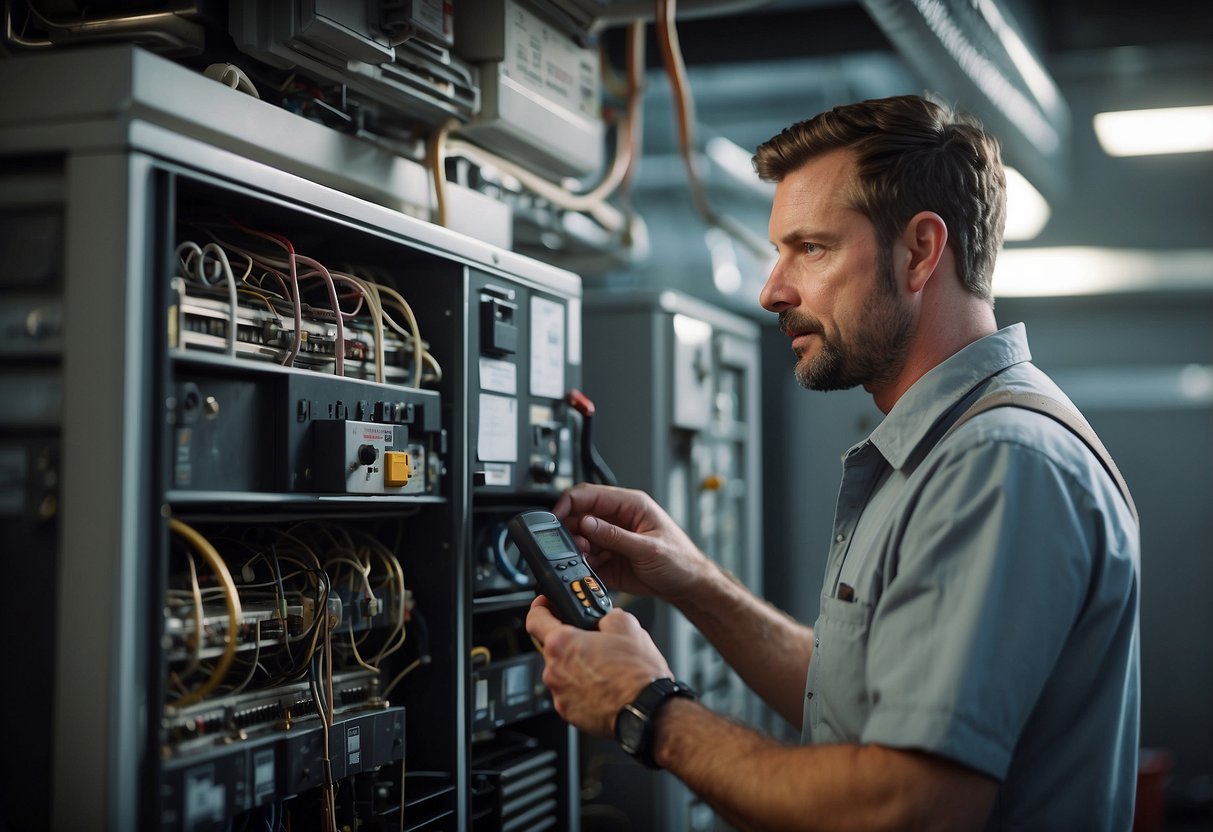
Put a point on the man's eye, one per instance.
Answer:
(811, 248)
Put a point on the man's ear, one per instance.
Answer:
(925, 238)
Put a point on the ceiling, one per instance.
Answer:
(762, 66)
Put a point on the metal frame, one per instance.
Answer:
(124, 119)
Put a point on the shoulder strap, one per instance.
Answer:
(1059, 412)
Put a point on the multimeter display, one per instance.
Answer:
(561, 572)
(551, 543)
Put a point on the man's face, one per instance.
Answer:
(835, 291)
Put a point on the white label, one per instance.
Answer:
(372, 433)
(263, 775)
(497, 474)
(575, 331)
(353, 745)
(501, 376)
(497, 439)
(547, 348)
(205, 800)
(434, 15)
(550, 63)
(482, 694)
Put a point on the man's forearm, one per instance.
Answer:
(758, 784)
(769, 649)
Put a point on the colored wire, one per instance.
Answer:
(414, 332)
(436, 149)
(409, 668)
(339, 345)
(396, 639)
(373, 300)
(196, 255)
(370, 292)
(204, 548)
(252, 671)
(221, 256)
(196, 595)
(635, 90)
(684, 106)
(593, 202)
(292, 269)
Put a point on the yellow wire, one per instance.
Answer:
(413, 665)
(436, 155)
(414, 329)
(208, 552)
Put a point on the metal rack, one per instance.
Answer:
(97, 179)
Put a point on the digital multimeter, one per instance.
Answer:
(563, 575)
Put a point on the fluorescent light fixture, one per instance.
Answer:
(1030, 69)
(738, 163)
(1027, 210)
(1149, 132)
(1081, 270)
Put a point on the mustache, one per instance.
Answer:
(794, 322)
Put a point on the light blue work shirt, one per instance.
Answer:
(994, 588)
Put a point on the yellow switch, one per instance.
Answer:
(397, 468)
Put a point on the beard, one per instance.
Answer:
(874, 354)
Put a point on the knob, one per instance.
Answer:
(367, 454)
(543, 470)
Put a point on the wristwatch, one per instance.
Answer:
(634, 723)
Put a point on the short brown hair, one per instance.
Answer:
(912, 155)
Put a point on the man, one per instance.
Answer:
(975, 661)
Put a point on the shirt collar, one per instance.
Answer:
(943, 386)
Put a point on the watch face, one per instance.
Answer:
(629, 730)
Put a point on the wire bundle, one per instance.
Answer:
(296, 574)
(279, 277)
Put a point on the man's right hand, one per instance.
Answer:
(631, 542)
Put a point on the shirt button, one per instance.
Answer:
(840, 538)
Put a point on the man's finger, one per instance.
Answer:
(607, 536)
(540, 622)
(619, 621)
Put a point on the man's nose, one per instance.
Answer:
(776, 294)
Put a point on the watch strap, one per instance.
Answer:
(644, 708)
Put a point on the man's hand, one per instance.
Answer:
(594, 674)
(631, 542)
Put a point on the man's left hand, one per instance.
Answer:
(594, 674)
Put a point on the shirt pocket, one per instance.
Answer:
(837, 702)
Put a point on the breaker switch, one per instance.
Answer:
(397, 468)
(367, 454)
(498, 328)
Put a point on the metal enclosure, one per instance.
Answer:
(119, 426)
(676, 384)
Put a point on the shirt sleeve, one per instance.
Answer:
(993, 566)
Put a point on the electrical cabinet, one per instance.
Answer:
(259, 435)
(694, 443)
